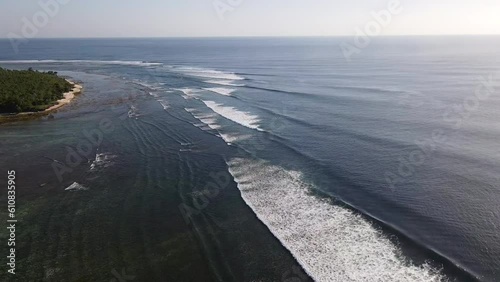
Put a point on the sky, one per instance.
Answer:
(218, 18)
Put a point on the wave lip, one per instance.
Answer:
(232, 138)
(189, 93)
(208, 73)
(331, 243)
(221, 90)
(243, 118)
(208, 120)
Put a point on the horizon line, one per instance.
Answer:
(248, 36)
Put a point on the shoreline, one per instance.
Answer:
(67, 98)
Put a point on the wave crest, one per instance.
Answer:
(332, 243)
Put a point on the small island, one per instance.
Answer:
(32, 93)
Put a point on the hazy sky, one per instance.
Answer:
(164, 18)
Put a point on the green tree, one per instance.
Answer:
(24, 91)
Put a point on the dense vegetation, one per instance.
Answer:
(29, 90)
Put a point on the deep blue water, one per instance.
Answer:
(406, 133)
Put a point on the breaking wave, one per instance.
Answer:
(208, 73)
(189, 93)
(240, 117)
(209, 120)
(221, 91)
(332, 243)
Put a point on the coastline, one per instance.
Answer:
(67, 98)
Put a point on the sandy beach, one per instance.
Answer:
(68, 97)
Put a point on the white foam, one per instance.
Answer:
(208, 73)
(147, 85)
(102, 160)
(221, 91)
(188, 91)
(240, 117)
(224, 83)
(133, 112)
(332, 243)
(76, 187)
(209, 120)
(128, 63)
(232, 138)
(164, 104)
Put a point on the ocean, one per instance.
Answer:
(278, 158)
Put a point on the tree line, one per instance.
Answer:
(29, 90)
